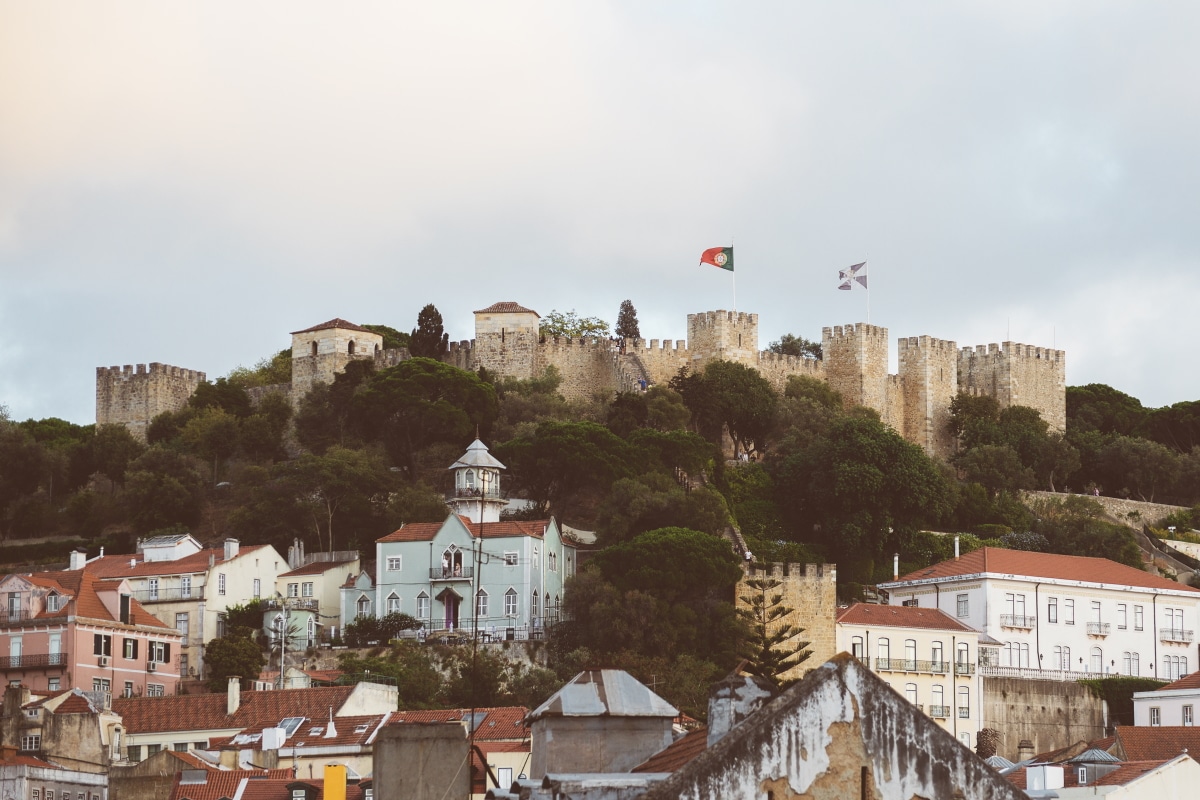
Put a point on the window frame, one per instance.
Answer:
(963, 605)
(395, 563)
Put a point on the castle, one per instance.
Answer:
(508, 343)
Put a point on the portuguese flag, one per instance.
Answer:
(721, 257)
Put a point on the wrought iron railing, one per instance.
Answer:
(291, 603)
(491, 493)
(1017, 621)
(14, 615)
(1099, 628)
(451, 573)
(961, 668)
(168, 595)
(910, 665)
(964, 713)
(1174, 635)
(31, 660)
(939, 712)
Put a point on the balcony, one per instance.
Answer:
(1037, 674)
(492, 493)
(452, 573)
(964, 713)
(1018, 621)
(33, 661)
(173, 595)
(939, 712)
(15, 615)
(291, 603)
(1174, 635)
(1099, 628)
(964, 669)
(910, 665)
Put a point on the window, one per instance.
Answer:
(393, 604)
(1095, 611)
(1188, 716)
(134, 752)
(1122, 616)
(55, 684)
(364, 606)
(307, 589)
(101, 684)
(481, 603)
(1096, 662)
(937, 699)
(220, 583)
(293, 590)
(1137, 618)
(939, 657)
(128, 689)
(101, 644)
(153, 593)
(884, 649)
(155, 690)
(1155, 716)
(856, 647)
(394, 563)
(964, 606)
(180, 747)
(910, 693)
(37, 794)
(534, 605)
(510, 560)
(185, 587)
(1052, 609)
(910, 654)
(552, 560)
(222, 623)
(1081, 775)
(183, 665)
(422, 606)
(52, 602)
(152, 749)
(181, 623)
(1135, 668)
(1069, 612)
(964, 702)
(911, 602)
(258, 587)
(159, 652)
(510, 603)
(964, 653)
(504, 777)
(31, 741)
(131, 648)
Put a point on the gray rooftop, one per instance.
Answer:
(477, 455)
(1095, 756)
(604, 692)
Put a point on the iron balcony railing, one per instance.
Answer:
(964, 713)
(939, 712)
(168, 595)
(451, 573)
(1017, 621)
(490, 494)
(291, 603)
(964, 669)
(14, 615)
(33, 660)
(1174, 635)
(908, 665)
(1099, 628)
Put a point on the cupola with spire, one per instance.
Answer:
(477, 493)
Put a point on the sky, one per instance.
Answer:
(189, 182)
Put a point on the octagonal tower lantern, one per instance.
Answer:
(477, 485)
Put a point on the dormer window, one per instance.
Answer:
(53, 602)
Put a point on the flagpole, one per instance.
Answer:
(733, 272)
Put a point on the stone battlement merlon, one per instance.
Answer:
(854, 330)
(130, 371)
(709, 319)
(669, 345)
(1014, 350)
(926, 343)
(793, 571)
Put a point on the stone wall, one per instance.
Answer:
(1051, 714)
(810, 590)
(856, 364)
(586, 365)
(132, 397)
(929, 381)
(777, 368)
(1018, 375)
(723, 335)
(317, 356)
(1115, 507)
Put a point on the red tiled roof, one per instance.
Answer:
(225, 783)
(187, 712)
(506, 307)
(900, 617)
(22, 760)
(1186, 682)
(337, 323)
(118, 566)
(1125, 773)
(1021, 563)
(677, 754)
(315, 568)
(324, 675)
(84, 588)
(191, 760)
(346, 728)
(1144, 743)
(75, 704)
(426, 531)
(501, 723)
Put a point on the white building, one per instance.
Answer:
(1173, 705)
(926, 655)
(1062, 616)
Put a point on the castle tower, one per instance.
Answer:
(477, 485)
(322, 351)
(856, 364)
(929, 381)
(133, 398)
(1018, 375)
(506, 340)
(722, 335)
(810, 591)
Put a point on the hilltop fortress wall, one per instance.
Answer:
(508, 344)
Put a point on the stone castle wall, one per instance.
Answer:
(856, 364)
(810, 590)
(928, 382)
(132, 397)
(1018, 375)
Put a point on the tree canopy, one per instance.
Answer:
(428, 339)
(569, 325)
(627, 321)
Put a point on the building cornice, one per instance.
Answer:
(899, 586)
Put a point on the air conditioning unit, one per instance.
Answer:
(103, 661)
(151, 666)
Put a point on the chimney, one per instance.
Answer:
(1025, 750)
(956, 547)
(335, 782)
(231, 549)
(233, 697)
(78, 559)
(132, 563)
(896, 567)
(212, 560)
(330, 730)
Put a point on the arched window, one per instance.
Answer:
(376, 349)
(937, 701)
(422, 606)
(964, 653)
(312, 631)
(534, 605)
(884, 651)
(964, 702)
(939, 657)
(393, 604)
(1066, 659)
(452, 562)
(856, 647)
(510, 603)
(364, 606)
(910, 655)
(314, 348)
(910, 693)
(350, 347)
(481, 604)
(1097, 660)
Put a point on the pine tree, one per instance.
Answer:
(427, 339)
(768, 648)
(627, 321)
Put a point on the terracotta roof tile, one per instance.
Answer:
(678, 753)
(1125, 773)
(1145, 743)
(75, 704)
(118, 566)
(225, 783)
(346, 728)
(506, 307)
(337, 323)
(998, 561)
(316, 568)
(426, 531)
(1186, 682)
(84, 588)
(900, 617)
(187, 712)
(504, 723)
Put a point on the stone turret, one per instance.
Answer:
(322, 351)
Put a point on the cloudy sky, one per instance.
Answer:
(189, 182)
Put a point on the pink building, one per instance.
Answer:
(63, 630)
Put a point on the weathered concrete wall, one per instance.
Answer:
(1051, 714)
(129, 397)
(596, 744)
(421, 761)
(810, 590)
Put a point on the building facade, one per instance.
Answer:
(1173, 705)
(1062, 617)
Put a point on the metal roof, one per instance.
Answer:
(604, 692)
(477, 455)
(1094, 756)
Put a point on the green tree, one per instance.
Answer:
(243, 619)
(270, 371)
(163, 488)
(478, 678)
(21, 463)
(975, 420)
(996, 467)
(569, 325)
(262, 433)
(392, 338)
(113, 450)
(223, 394)
(418, 681)
(1101, 408)
(627, 321)
(1176, 426)
(428, 340)
(326, 485)
(729, 397)
(212, 435)
(806, 387)
(1140, 466)
(232, 656)
(665, 410)
(637, 505)
(791, 345)
(770, 649)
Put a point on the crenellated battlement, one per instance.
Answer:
(1014, 350)
(720, 318)
(131, 372)
(927, 343)
(132, 395)
(855, 330)
(810, 591)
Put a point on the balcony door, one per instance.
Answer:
(14, 651)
